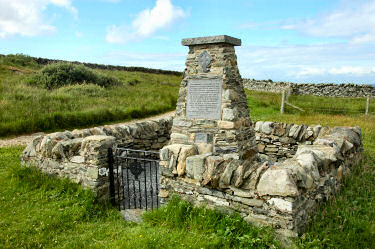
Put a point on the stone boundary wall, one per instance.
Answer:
(279, 141)
(321, 89)
(82, 155)
(282, 194)
(282, 189)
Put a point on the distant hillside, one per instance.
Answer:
(44, 61)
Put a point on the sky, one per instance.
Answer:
(283, 40)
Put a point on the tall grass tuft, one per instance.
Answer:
(225, 231)
(57, 75)
(19, 60)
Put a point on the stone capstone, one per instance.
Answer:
(211, 40)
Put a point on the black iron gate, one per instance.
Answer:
(134, 178)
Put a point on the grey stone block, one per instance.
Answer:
(195, 166)
(211, 40)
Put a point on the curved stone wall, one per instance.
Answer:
(81, 155)
(298, 167)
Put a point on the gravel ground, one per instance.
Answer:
(24, 140)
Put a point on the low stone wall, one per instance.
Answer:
(322, 89)
(82, 155)
(266, 86)
(281, 194)
(279, 141)
(298, 166)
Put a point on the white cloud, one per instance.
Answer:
(335, 71)
(67, 4)
(309, 63)
(353, 20)
(366, 38)
(147, 22)
(356, 70)
(119, 34)
(310, 71)
(24, 17)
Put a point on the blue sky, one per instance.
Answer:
(284, 40)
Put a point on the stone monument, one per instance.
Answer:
(212, 137)
(212, 155)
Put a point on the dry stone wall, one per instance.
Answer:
(282, 190)
(282, 194)
(279, 141)
(322, 89)
(82, 155)
(212, 155)
(298, 166)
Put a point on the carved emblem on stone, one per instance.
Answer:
(204, 60)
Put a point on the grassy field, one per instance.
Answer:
(40, 212)
(27, 109)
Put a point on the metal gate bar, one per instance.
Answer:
(133, 174)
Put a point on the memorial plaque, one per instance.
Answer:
(204, 98)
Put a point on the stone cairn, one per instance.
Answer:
(212, 155)
(212, 137)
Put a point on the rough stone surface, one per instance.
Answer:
(277, 182)
(322, 89)
(132, 215)
(283, 194)
(297, 166)
(211, 40)
(228, 136)
(82, 156)
(216, 162)
(281, 204)
(195, 166)
(185, 152)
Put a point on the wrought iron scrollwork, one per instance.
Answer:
(136, 169)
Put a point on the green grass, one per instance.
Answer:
(28, 109)
(19, 60)
(266, 105)
(38, 211)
